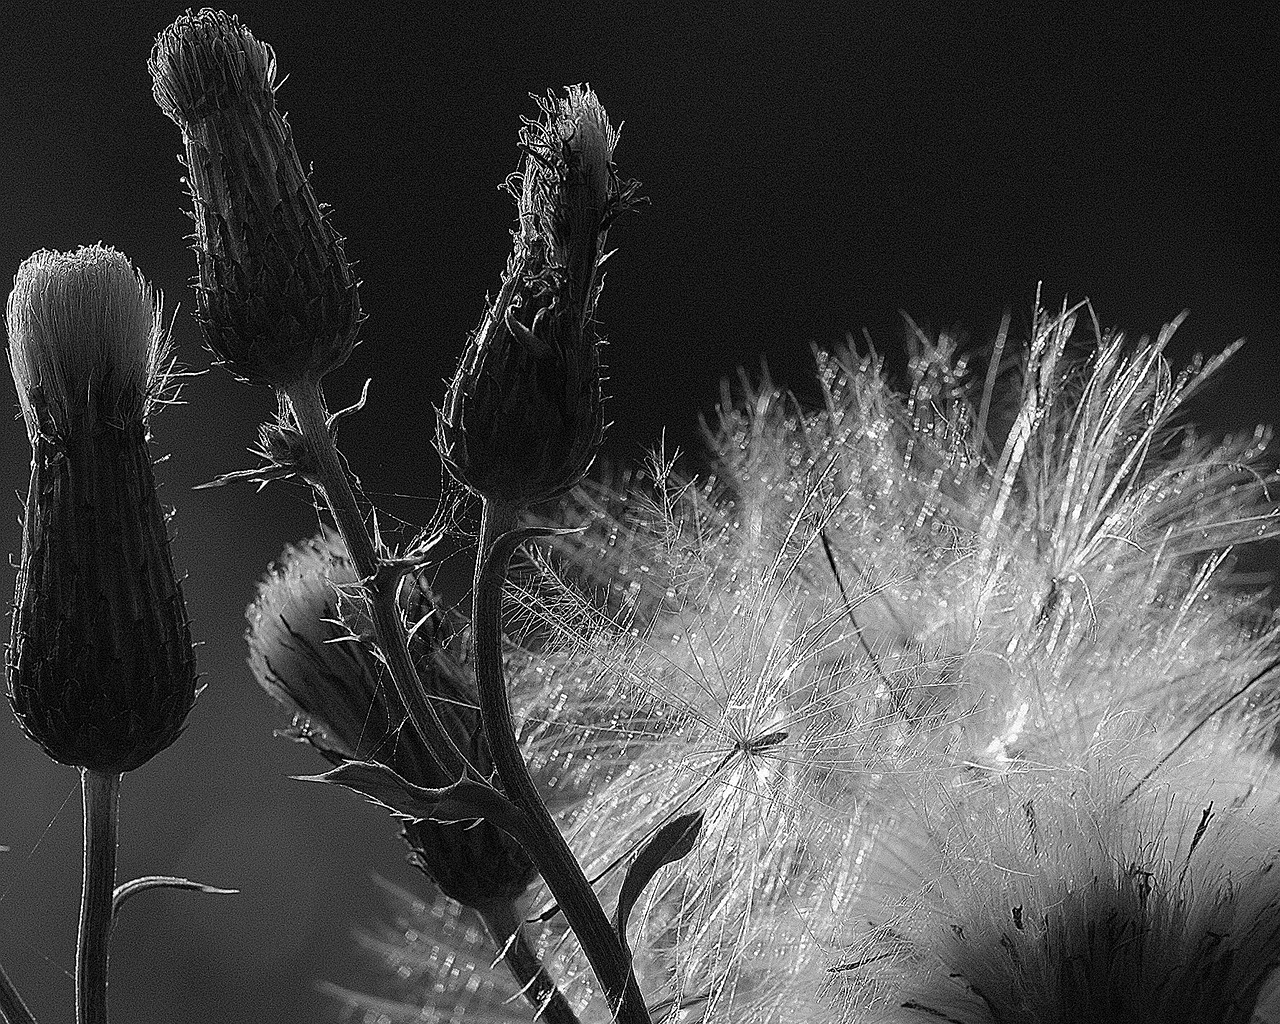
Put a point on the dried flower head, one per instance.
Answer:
(100, 667)
(882, 618)
(523, 417)
(311, 648)
(276, 297)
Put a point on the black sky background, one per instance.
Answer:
(810, 174)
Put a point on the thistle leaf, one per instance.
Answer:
(669, 844)
(125, 890)
(464, 800)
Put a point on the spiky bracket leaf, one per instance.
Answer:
(464, 800)
(669, 844)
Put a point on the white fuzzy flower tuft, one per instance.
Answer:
(86, 339)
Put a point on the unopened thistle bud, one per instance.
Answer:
(276, 296)
(311, 649)
(100, 667)
(523, 417)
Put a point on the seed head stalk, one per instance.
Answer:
(101, 825)
(380, 582)
(560, 869)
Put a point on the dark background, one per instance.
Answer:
(810, 175)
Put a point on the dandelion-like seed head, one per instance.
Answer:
(945, 591)
(960, 679)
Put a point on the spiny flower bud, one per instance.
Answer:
(523, 417)
(311, 649)
(100, 667)
(276, 296)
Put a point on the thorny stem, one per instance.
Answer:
(560, 869)
(101, 820)
(12, 1008)
(308, 408)
(307, 402)
(536, 985)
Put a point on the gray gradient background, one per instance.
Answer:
(810, 175)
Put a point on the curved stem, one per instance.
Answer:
(536, 985)
(560, 869)
(101, 818)
(12, 1008)
(307, 403)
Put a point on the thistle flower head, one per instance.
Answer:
(276, 296)
(85, 339)
(311, 648)
(568, 193)
(100, 666)
(297, 652)
(523, 416)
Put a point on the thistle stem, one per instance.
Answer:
(559, 868)
(12, 1008)
(101, 821)
(536, 985)
(307, 403)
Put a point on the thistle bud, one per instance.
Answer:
(100, 667)
(523, 417)
(311, 649)
(275, 294)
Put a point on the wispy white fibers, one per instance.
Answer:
(759, 711)
(1058, 899)
(961, 677)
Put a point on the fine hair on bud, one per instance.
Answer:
(276, 297)
(524, 415)
(66, 365)
(100, 667)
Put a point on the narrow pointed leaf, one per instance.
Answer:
(668, 845)
(500, 552)
(125, 890)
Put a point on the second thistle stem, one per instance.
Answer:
(560, 869)
(507, 931)
(101, 824)
(307, 403)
